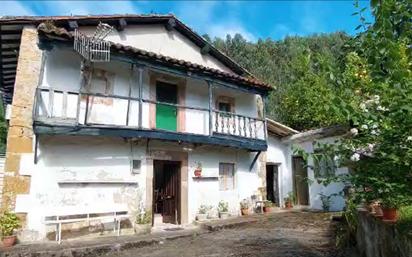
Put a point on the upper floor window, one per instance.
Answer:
(225, 104)
(226, 176)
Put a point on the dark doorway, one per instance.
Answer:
(272, 183)
(166, 190)
(300, 182)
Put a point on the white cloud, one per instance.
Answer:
(68, 7)
(200, 16)
(14, 8)
(221, 30)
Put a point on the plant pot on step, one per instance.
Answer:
(390, 214)
(140, 229)
(9, 241)
(223, 215)
(244, 211)
(267, 209)
(201, 216)
(288, 205)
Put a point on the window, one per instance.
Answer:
(136, 166)
(324, 164)
(226, 176)
(224, 107)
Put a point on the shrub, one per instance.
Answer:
(8, 223)
(223, 206)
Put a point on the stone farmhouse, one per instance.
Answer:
(152, 119)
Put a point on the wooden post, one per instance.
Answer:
(130, 94)
(264, 118)
(140, 84)
(210, 108)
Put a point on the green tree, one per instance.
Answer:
(302, 71)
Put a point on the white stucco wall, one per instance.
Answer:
(81, 174)
(157, 39)
(337, 202)
(279, 153)
(77, 175)
(206, 191)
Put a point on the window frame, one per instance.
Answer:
(226, 188)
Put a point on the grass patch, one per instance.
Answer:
(404, 223)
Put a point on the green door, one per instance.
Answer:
(166, 115)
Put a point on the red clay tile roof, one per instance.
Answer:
(56, 33)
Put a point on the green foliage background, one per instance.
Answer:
(302, 71)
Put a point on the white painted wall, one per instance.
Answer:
(155, 38)
(62, 71)
(65, 163)
(280, 153)
(338, 202)
(206, 191)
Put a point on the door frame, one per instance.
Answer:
(178, 201)
(294, 183)
(279, 191)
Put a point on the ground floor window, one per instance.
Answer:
(226, 176)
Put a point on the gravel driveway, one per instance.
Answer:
(290, 234)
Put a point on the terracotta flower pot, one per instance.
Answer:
(288, 205)
(244, 211)
(9, 241)
(267, 209)
(198, 173)
(390, 214)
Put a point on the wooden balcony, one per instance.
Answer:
(80, 113)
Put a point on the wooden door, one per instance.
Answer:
(170, 212)
(272, 183)
(166, 115)
(300, 175)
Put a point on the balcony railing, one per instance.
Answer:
(59, 107)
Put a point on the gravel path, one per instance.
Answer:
(290, 234)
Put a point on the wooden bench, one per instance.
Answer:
(116, 216)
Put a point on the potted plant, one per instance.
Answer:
(9, 222)
(244, 207)
(198, 170)
(143, 222)
(223, 209)
(289, 200)
(268, 206)
(390, 205)
(202, 214)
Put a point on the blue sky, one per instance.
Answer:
(253, 19)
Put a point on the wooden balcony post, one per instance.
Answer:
(264, 118)
(210, 108)
(140, 84)
(129, 94)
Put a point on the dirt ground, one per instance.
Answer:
(291, 234)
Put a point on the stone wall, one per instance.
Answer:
(377, 238)
(20, 136)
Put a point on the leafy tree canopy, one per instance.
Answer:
(300, 68)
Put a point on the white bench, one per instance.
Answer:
(63, 218)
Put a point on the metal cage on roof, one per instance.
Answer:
(94, 48)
